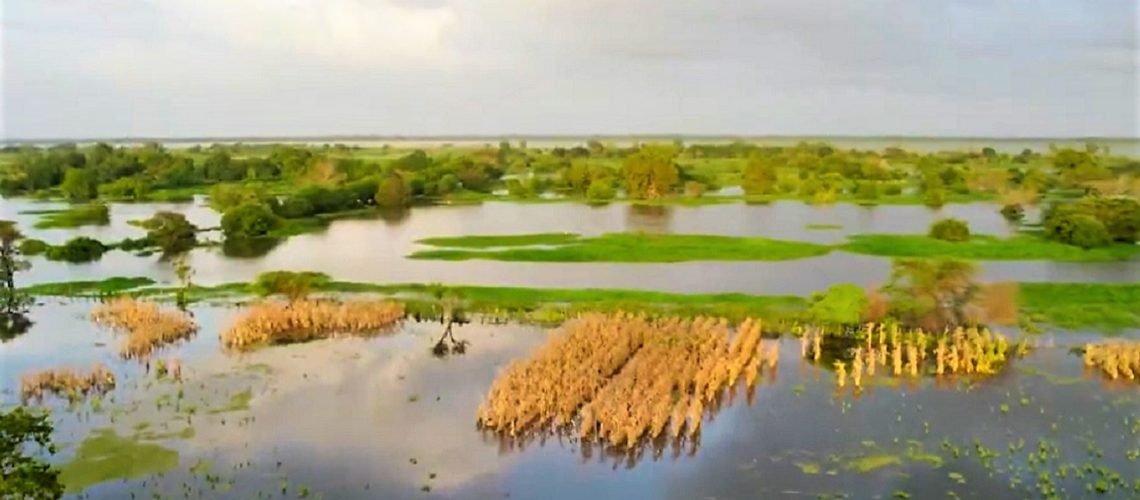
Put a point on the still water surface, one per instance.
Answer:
(374, 250)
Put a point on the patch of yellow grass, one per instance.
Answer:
(628, 378)
(66, 382)
(1116, 360)
(299, 321)
(146, 327)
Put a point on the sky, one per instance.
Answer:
(248, 68)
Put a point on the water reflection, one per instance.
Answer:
(649, 218)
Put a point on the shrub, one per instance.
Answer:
(934, 198)
(171, 232)
(292, 284)
(249, 221)
(1086, 232)
(1013, 212)
(843, 304)
(600, 190)
(295, 207)
(393, 192)
(78, 249)
(950, 230)
(33, 246)
(892, 189)
(694, 189)
(867, 190)
(1120, 218)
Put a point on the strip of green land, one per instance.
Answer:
(76, 216)
(983, 247)
(640, 247)
(629, 247)
(1090, 306)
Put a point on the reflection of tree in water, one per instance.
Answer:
(249, 247)
(653, 218)
(13, 303)
(447, 309)
(595, 449)
(394, 216)
(13, 325)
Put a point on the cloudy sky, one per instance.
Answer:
(185, 68)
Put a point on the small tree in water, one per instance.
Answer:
(933, 294)
(184, 273)
(13, 303)
(450, 305)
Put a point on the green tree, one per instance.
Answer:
(393, 192)
(251, 220)
(759, 175)
(184, 273)
(171, 232)
(931, 293)
(27, 475)
(13, 303)
(80, 184)
(650, 172)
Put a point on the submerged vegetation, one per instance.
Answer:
(95, 214)
(625, 378)
(299, 321)
(104, 456)
(71, 384)
(145, 326)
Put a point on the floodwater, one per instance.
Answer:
(375, 250)
(384, 418)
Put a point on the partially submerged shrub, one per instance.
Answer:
(64, 382)
(78, 249)
(251, 220)
(292, 284)
(1116, 360)
(950, 230)
(32, 246)
(843, 304)
(300, 321)
(1013, 212)
(145, 325)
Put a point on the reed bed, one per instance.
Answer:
(627, 378)
(299, 321)
(66, 382)
(1115, 360)
(895, 352)
(146, 327)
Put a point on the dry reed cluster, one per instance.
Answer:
(66, 382)
(145, 325)
(299, 321)
(1116, 359)
(908, 353)
(627, 377)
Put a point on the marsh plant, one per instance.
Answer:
(303, 320)
(1116, 360)
(65, 382)
(626, 379)
(145, 326)
(914, 353)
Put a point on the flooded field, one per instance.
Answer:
(384, 417)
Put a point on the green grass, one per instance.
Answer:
(823, 227)
(117, 284)
(1105, 307)
(641, 247)
(501, 241)
(1102, 307)
(76, 216)
(105, 456)
(983, 247)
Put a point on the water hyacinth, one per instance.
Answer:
(303, 320)
(145, 326)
